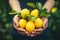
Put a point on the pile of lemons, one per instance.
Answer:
(32, 22)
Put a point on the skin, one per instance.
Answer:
(13, 3)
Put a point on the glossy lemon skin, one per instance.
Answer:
(22, 23)
(38, 23)
(24, 12)
(30, 27)
(35, 13)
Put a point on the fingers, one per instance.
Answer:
(45, 21)
(23, 31)
(35, 34)
(45, 24)
(38, 30)
(14, 25)
(20, 29)
(15, 22)
(32, 35)
(16, 19)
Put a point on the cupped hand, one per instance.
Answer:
(24, 32)
(39, 31)
(16, 26)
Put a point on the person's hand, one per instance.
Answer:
(15, 24)
(39, 31)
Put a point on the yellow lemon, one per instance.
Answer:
(54, 10)
(38, 23)
(24, 12)
(35, 13)
(22, 23)
(30, 26)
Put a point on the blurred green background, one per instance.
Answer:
(6, 24)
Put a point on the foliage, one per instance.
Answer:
(6, 25)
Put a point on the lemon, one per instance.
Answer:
(54, 10)
(22, 23)
(38, 23)
(35, 13)
(30, 26)
(24, 12)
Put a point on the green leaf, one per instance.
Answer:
(39, 5)
(27, 16)
(45, 14)
(12, 12)
(32, 17)
(41, 14)
(45, 10)
(31, 4)
(19, 15)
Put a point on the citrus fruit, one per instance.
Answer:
(54, 10)
(38, 23)
(30, 26)
(35, 13)
(22, 23)
(24, 12)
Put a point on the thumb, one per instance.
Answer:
(20, 29)
(45, 21)
(15, 20)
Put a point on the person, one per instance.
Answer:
(37, 34)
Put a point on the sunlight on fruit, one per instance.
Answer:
(24, 12)
(38, 23)
(35, 13)
(29, 23)
(30, 26)
(22, 23)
